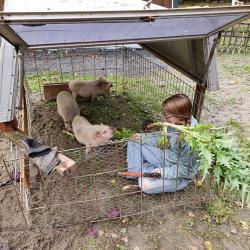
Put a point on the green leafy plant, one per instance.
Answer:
(163, 142)
(123, 133)
(221, 155)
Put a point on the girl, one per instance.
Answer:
(176, 164)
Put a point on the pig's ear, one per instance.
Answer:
(101, 78)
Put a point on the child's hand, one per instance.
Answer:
(157, 171)
(136, 136)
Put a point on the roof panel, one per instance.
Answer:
(123, 30)
(75, 5)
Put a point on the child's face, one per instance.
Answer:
(172, 119)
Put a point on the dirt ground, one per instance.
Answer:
(192, 227)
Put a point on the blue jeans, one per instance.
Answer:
(145, 158)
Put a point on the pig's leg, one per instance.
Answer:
(74, 94)
(93, 97)
(68, 126)
(88, 151)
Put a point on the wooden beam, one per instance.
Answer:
(24, 161)
(66, 165)
(51, 90)
(2, 5)
(164, 3)
(199, 100)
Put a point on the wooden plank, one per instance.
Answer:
(2, 5)
(24, 164)
(51, 90)
(164, 3)
(8, 126)
(66, 165)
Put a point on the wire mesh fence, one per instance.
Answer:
(95, 191)
(131, 71)
(236, 39)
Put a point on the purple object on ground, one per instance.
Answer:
(4, 246)
(92, 231)
(113, 213)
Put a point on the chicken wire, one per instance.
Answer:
(133, 71)
(93, 192)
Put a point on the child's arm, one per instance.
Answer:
(179, 162)
(147, 138)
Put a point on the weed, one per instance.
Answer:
(238, 69)
(232, 101)
(50, 105)
(245, 89)
(220, 211)
(90, 243)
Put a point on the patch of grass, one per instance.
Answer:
(90, 243)
(35, 82)
(220, 210)
(149, 92)
(240, 132)
(237, 69)
(50, 104)
(245, 89)
(212, 99)
(236, 124)
(232, 101)
(117, 110)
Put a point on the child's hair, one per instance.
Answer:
(178, 105)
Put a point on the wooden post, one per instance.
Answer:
(199, 100)
(201, 87)
(2, 5)
(24, 161)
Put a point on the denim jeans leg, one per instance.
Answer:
(143, 157)
(156, 186)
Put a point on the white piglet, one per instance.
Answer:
(90, 135)
(67, 108)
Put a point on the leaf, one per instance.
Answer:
(244, 225)
(208, 245)
(221, 155)
(162, 142)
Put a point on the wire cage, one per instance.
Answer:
(94, 191)
(132, 70)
